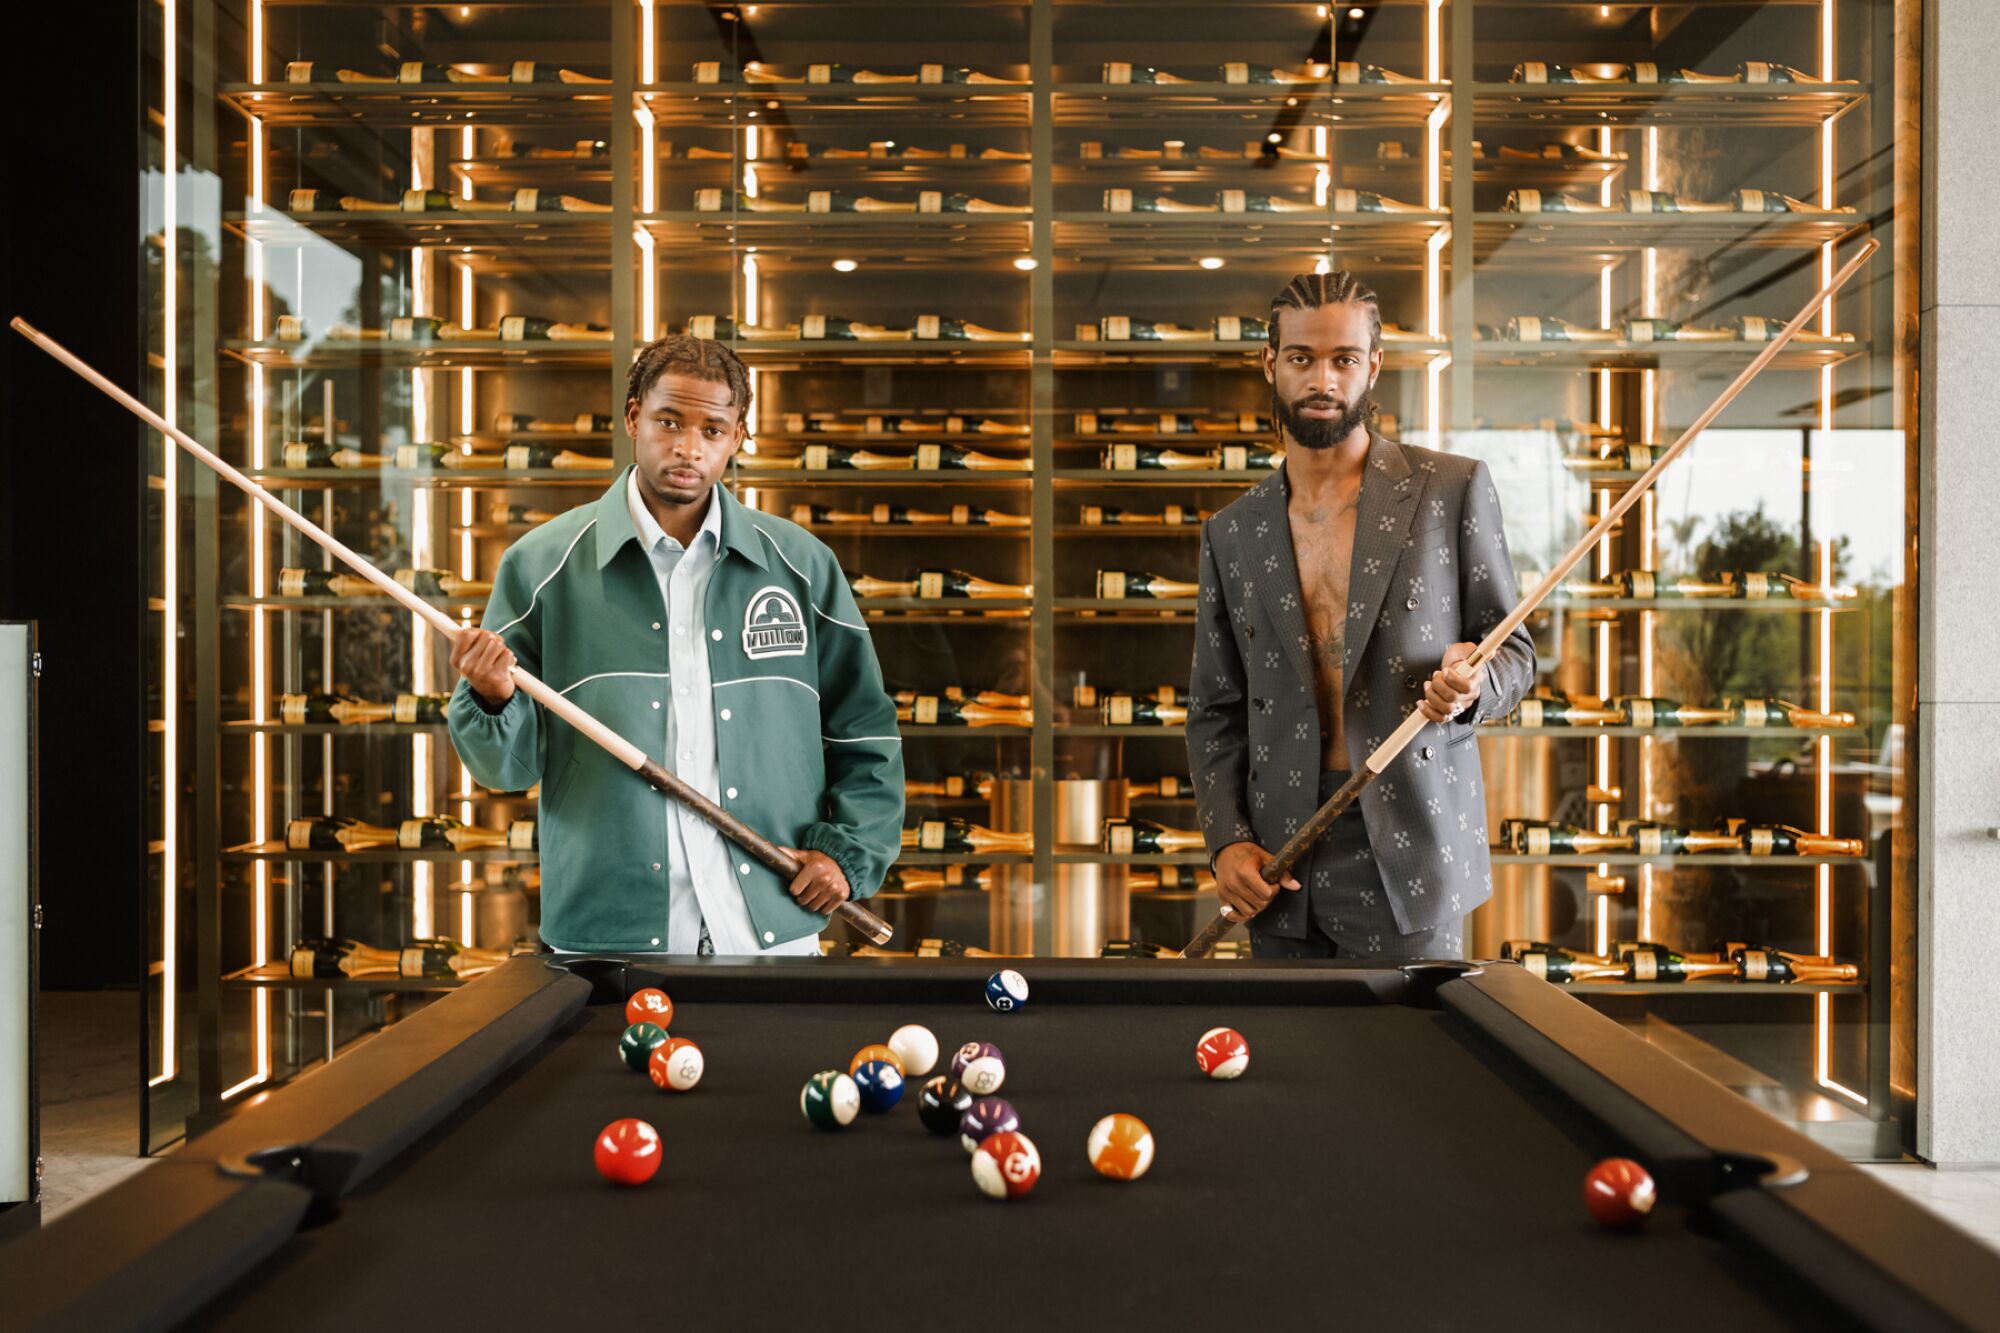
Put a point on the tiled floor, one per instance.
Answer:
(90, 1117)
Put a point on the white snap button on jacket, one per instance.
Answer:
(725, 715)
(715, 634)
(656, 624)
(656, 939)
(656, 865)
(731, 793)
(656, 703)
(769, 937)
(743, 869)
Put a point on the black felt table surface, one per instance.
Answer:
(1371, 1169)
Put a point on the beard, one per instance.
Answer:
(1320, 432)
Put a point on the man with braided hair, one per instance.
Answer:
(1336, 596)
(722, 641)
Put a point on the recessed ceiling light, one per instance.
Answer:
(1210, 262)
(1355, 12)
(1026, 263)
(844, 266)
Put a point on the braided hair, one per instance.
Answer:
(1310, 291)
(701, 358)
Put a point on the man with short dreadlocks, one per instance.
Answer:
(1336, 596)
(723, 642)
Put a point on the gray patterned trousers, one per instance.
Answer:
(1348, 913)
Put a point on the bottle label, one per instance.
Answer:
(1118, 710)
(925, 712)
(1111, 583)
(1756, 965)
(1650, 842)
(1534, 713)
(1645, 967)
(1123, 457)
(931, 835)
(1641, 712)
(930, 457)
(812, 326)
(930, 583)
(1235, 458)
(1117, 328)
(1762, 842)
(1536, 841)
(816, 457)
(1122, 839)
(961, 515)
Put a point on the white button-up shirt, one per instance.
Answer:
(701, 867)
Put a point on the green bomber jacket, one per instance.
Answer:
(807, 748)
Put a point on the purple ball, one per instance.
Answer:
(986, 1117)
(971, 1051)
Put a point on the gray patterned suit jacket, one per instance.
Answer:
(1430, 568)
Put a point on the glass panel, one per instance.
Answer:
(1001, 273)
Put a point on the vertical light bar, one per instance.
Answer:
(1434, 399)
(1601, 745)
(1434, 281)
(749, 289)
(421, 878)
(1648, 623)
(648, 60)
(1433, 42)
(1649, 378)
(1434, 156)
(260, 685)
(170, 577)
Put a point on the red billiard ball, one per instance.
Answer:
(1006, 1165)
(650, 1005)
(1222, 1053)
(675, 1065)
(1619, 1192)
(628, 1152)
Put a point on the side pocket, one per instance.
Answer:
(555, 793)
(1459, 733)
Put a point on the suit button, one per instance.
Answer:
(1253, 775)
(1250, 631)
(1411, 604)
(1256, 703)
(1409, 682)
(1425, 753)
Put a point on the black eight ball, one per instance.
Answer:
(941, 1103)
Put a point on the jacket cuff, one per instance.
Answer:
(836, 843)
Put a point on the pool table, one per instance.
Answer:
(1406, 1150)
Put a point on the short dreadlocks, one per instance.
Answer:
(1310, 291)
(701, 358)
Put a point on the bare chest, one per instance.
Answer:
(1323, 548)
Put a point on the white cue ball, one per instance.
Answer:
(917, 1047)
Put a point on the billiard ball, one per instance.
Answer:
(941, 1103)
(1619, 1192)
(1121, 1146)
(917, 1046)
(830, 1099)
(1006, 1165)
(876, 1051)
(879, 1085)
(1222, 1053)
(635, 1047)
(983, 1075)
(650, 1005)
(1006, 991)
(971, 1051)
(985, 1117)
(628, 1152)
(675, 1065)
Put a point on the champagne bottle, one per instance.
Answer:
(335, 833)
(1085, 695)
(1535, 837)
(958, 835)
(1646, 585)
(1153, 879)
(1173, 516)
(528, 328)
(1238, 329)
(1763, 328)
(1124, 837)
(1549, 329)
(1540, 71)
(1250, 458)
(1755, 586)
(1122, 710)
(1562, 966)
(522, 423)
(447, 960)
(938, 328)
(1672, 331)
(1551, 708)
(1123, 328)
(1653, 839)
(1166, 788)
(343, 710)
(437, 833)
(1257, 201)
(944, 201)
(1346, 201)
(334, 960)
(1237, 71)
(1656, 962)
(513, 516)
(835, 458)
(1149, 458)
(1167, 423)
(425, 582)
(583, 150)
(1118, 584)
(1764, 71)
(1772, 967)
(833, 328)
(531, 200)
(1560, 152)
(1771, 201)
(1350, 72)
(936, 879)
(953, 458)
(935, 584)
(550, 457)
(1119, 71)
(953, 786)
(1643, 712)
(304, 454)
(1622, 458)
(1656, 201)
(929, 710)
(1786, 840)
(989, 698)
(726, 329)
(1778, 713)
(1538, 201)
(888, 515)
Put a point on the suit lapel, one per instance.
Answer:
(1389, 490)
(1276, 571)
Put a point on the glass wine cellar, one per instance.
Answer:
(1002, 272)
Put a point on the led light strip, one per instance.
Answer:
(170, 582)
(422, 879)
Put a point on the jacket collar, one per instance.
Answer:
(614, 525)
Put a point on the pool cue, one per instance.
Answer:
(1376, 763)
(860, 918)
